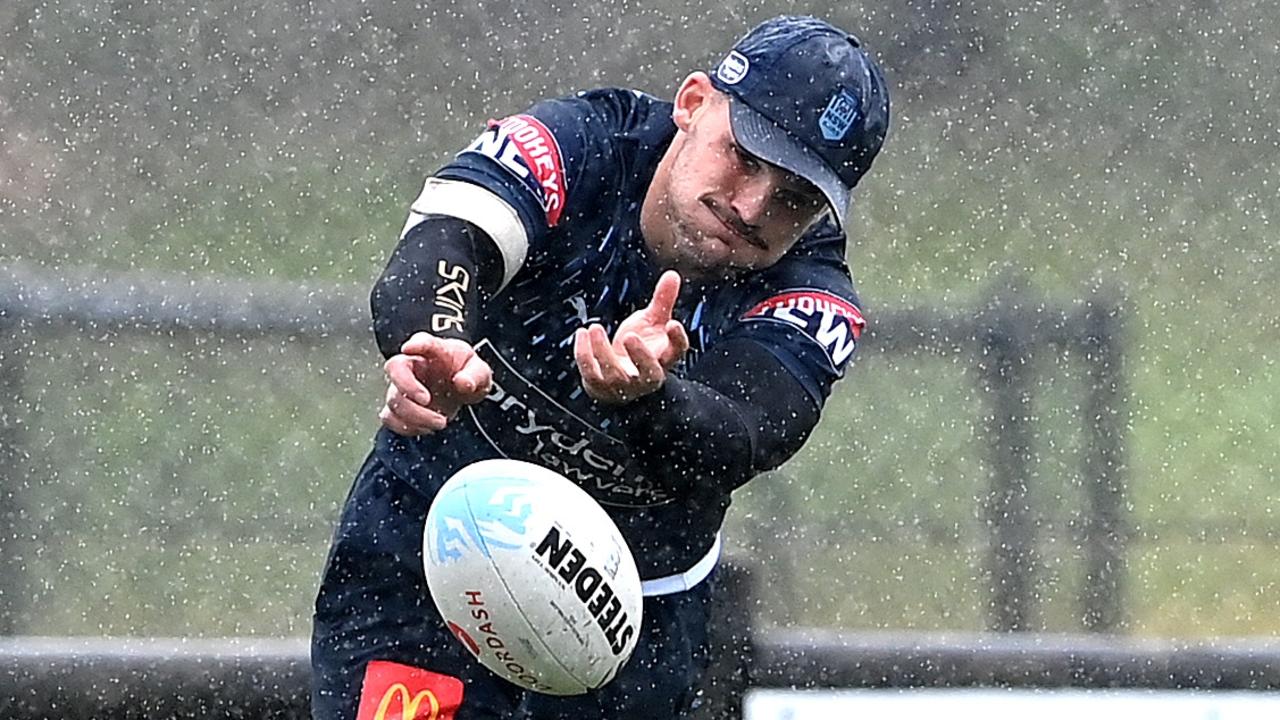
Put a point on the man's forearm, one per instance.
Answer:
(739, 413)
(436, 281)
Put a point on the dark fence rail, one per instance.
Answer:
(157, 679)
(160, 679)
(33, 297)
(818, 658)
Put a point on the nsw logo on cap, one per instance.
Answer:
(733, 68)
(840, 115)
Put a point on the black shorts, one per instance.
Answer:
(380, 649)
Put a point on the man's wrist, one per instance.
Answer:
(643, 412)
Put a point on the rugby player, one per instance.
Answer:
(650, 298)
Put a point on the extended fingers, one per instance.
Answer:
(678, 344)
(424, 344)
(473, 381)
(405, 416)
(440, 357)
(588, 366)
(614, 367)
(606, 376)
(651, 373)
(664, 299)
(402, 371)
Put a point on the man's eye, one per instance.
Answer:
(796, 200)
(748, 161)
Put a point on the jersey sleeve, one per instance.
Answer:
(526, 160)
(516, 179)
(805, 311)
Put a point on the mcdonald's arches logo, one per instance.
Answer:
(392, 691)
(398, 694)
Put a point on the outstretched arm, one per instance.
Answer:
(438, 276)
(739, 411)
(424, 307)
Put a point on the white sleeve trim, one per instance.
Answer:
(686, 580)
(479, 207)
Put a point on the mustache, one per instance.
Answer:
(740, 227)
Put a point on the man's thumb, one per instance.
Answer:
(665, 294)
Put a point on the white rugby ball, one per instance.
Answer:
(532, 576)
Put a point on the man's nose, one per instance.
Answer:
(752, 196)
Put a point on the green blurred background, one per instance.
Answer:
(179, 485)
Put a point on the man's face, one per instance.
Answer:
(717, 210)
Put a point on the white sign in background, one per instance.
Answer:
(1019, 704)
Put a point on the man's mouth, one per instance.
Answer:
(734, 227)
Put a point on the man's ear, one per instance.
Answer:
(696, 94)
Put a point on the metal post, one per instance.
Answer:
(1005, 366)
(13, 475)
(1105, 527)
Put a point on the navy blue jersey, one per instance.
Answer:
(573, 172)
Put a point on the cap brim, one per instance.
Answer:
(759, 136)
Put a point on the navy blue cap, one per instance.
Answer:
(805, 96)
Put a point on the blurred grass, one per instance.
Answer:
(194, 493)
(188, 486)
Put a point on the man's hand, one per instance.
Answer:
(430, 380)
(647, 345)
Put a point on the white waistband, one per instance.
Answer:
(685, 580)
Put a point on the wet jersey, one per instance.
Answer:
(572, 174)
